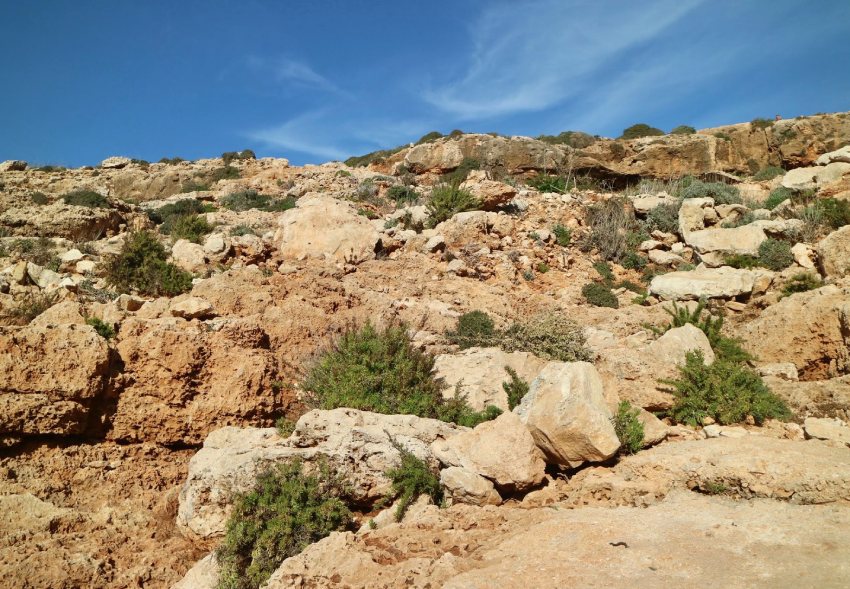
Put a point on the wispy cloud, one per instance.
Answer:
(534, 58)
(305, 133)
(287, 70)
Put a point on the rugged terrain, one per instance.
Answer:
(129, 419)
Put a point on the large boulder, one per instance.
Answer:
(825, 428)
(737, 240)
(810, 329)
(184, 380)
(58, 219)
(480, 373)
(50, 378)
(814, 398)
(711, 283)
(358, 445)
(323, 227)
(839, 155)
(813, 177)
(502, 451)
(490, 193)
(834, 253)
(115, 162)
(464, 486)
(673, 345)
(565, 411)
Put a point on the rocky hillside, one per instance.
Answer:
(486, 361)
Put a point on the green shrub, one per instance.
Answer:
(759, 123)
(777, 196)
(446, 200)
(548, 183)
(575, 139)
(142, 265)
(801, 282)
(286, 511)
(28, 307)
(460, 173)
(474, 328)
(402, 194)
(186, 206)
(740, 221)
(191, 227)
(429, 137)
(562, 234)
(599, 295)
(548, 335)
(39, 198)
(683, 130)
(604, 270)
(543, 267)
(633, 261)
(381, 371)
(240, 230)
(724, 347)
(723, 194)
(373, 157)
(768, 173)
(775, 254)
(834, 213)
(39, 251)
(628, 427)
(103, 329)
(171, 161)
(194, 186)
(411, 479)
(725, 391)
(640, 130)
(611, 222)
(245, 154)
(224, 173)
(284, 427)
(515, 389)
(455, 410)
(86, 198)
(741, 261)
(663, 218)
(723, 136)
(245, 200)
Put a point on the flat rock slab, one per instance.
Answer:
(710, 283)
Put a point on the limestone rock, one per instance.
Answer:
(566, 413)
(710, 283)
(434, 157)
(192, 308)
(464, 486)
(501, 450)
(49, 378)
(357, 445)
(13, 166)
(839, 155)
(115, 162)
(481, 372)
(812, 177)
(490, 193)
(58, 219)
(692, 214)
(62, 313)
(824, 428)
(188, 256)
(804, 255)
(739, 240)
(834, 252)
(814, 398)
(672, 346)
(323, 227)
(203, 575)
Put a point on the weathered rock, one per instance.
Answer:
(62, 313)
(192, 308)
(464, 486)
(804, 256)
(710, 283)
(501, 450)
(480, 373)
(810, 178)
(814, 324)
(816, 398)
(839, 155)
(188, 256)
(692, 214)
(323, 227)
(58, 219)
(203, 575)
(834, 253)
(673, 345)
(654, 430)
(663, 258)
(50, 377)
(824, 428)
(738, 240)
(115, 162)
(784, 370)
(490, 193)
(566, 413)
(357, 445)
(13, 166)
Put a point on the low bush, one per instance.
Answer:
(726, 391)
(286, 511)
(171, 161)
(563, 235)
(633, 261)
(373, 157)
(245, 200)
(777, 196)
(551, 336)
(740, 221)
(599, 295)
(402, 194)
(683, 130)
(103, 329)
(429, 137)
(285, 427)
(40, 251)
(768, 173)
(548, 183)
(775, 254)
(475, 328)
(640, 130)
(723, 194)
(411, 479)
(611, 222)
(801, 282)
(28, 307)
(39, 198)
(515, 389)
(833, 212)
(86, 198)
(446, 200)
(628, 427)
(575, 139)
(759, 123)
(724, 347)
(604, 270)
(191, 227)
(663, 218)
(245, 154)
(186, 206)
(460, 173)
(224, 173)
(141, 265)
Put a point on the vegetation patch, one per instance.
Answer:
(802, 282)
(28, 307)
(683, 130)
(410, 480)
(543, 182)
(401, 194)
(446, 200)
(286, 511)
(460, 173)
(599, 295)
(640, 130)
(664, 218)
(563, 235)
(777, 196)
(611, 223)
(245, 200)
(86, 198)
(628, 427)
(515, 388)
(759, 123)
(574, 139)
(103, 329)
(723, 194)
(768, 173)
(142, 266)
(245, 154)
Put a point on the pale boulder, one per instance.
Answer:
(501, 450)
(813, 177)
(834, 253)
(434, 157)
(826, 428)
(673, 345)
(480, 373)
(490, 193)
(804, 255)
(188, 256)
(839, 155)
(323, 227)
(739, 240)
(192, 308)
(464, 486)
(115, 163)
(710, 283)
(565, 411)
(692, 214)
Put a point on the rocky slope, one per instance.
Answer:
(120, 453)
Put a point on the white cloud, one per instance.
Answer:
(533, 56)
(305, 133)
(286, 70)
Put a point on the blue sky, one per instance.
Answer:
(320, 80)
